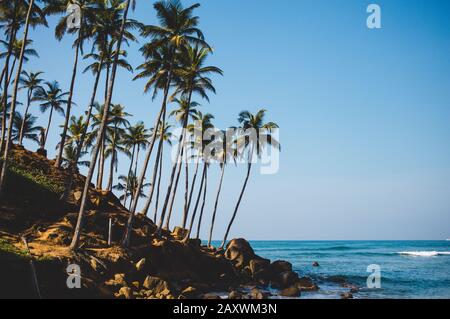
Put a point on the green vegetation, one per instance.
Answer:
(37, 177)
(7, 247)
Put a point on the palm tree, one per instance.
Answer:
(188, 110)
(71, 159)
(117, 121)
(31, 82)
(178, 27)
(228, 151)
(128, 185)
(14, 15)
(164, 135)
(30, 11)
(24, 127)
(76, 237)
(16, 48)
(192, 77)
(134, 138)
(256, 135)
(53, 98)
(87, 18)
(202, 123)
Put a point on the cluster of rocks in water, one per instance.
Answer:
(254, 278)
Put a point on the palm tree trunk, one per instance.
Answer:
(111, 171)
(77, 233)
(14, 100)
(194, 213)
(182, 141)
(186, 184)
(159, 183)
(69, 102)
(22, 125)
(203, 204)
(172, 200)
(237, 205)
(130, 169)
(12, 70)
(5, 86)
(155, 174)
(215, 206)
(48, 125)
(101, 168)
(140, 181)
(172, 179)
(80, 146)
(136, 160)
(191, 193)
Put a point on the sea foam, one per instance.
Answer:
(424, 253)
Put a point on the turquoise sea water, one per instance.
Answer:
(409, 269)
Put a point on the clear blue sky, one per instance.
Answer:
(364, 114)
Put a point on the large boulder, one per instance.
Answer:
(258, 264)
(239, 252)
(284, 280)
(280, 266)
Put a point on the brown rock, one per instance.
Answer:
(259, 264)
(135, 284)
(211, 296)
(293, 291)
(190, 293)
(346, 295)
(256, 293)
(315, 264)
(140, 264)
(156, 284)
(119, 280)
(179, 233)
(280, 266)
(284, 280)
(124, 292)
(240, 252)
(306, 284)
(235, 295)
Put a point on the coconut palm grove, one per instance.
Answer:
(105, 209)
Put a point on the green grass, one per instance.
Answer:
(7, 247)
(37, 177)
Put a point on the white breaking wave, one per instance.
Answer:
(424, 253)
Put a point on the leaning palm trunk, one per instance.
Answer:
(185, 217)
(48, 126)
(155, 173)
(182, 141)
(203, 204)
(172, 179)
(68, 186)
(5, 87)
(14, 100)
(101, 165)
(140, 182)
(22, 125)
(130, 169)
(150, 147)
(215, 206)
(172, 200)
(77, 233)
(237, 205)
(194, 213)
(62, 144)
(111, 172)
(159, 185)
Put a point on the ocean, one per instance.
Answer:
(408, 269)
